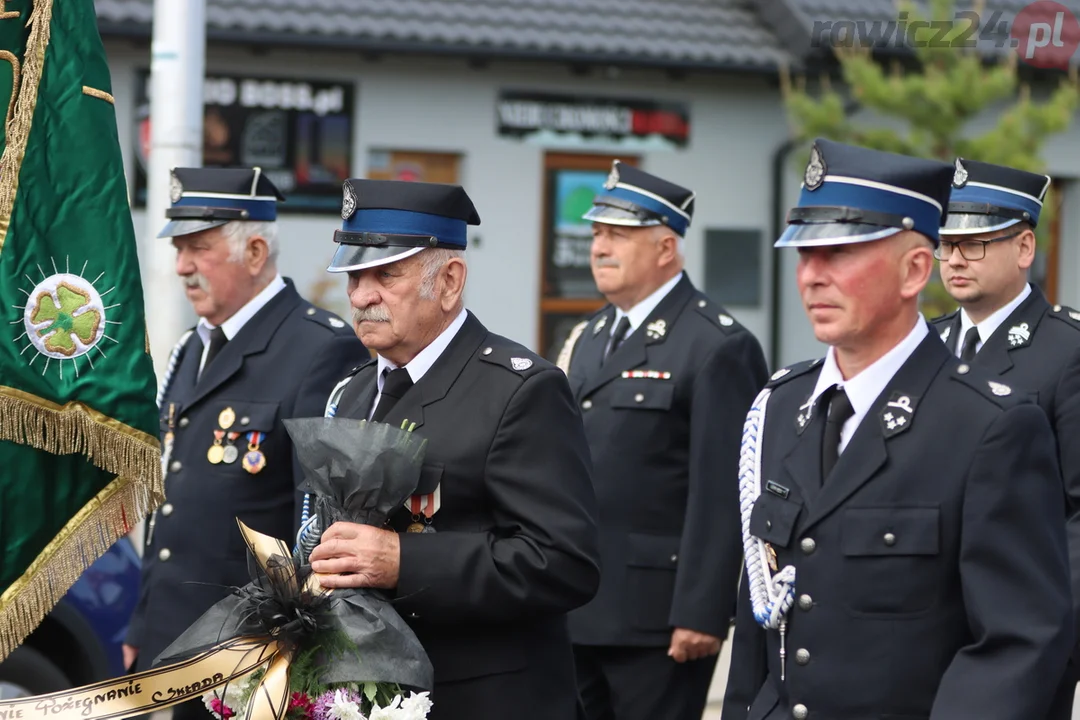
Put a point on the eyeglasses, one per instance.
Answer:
(969, 249)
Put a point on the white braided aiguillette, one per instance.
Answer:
(771, 595)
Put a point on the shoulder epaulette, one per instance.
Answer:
(1066, 314)
(324, 317)
(512, 357)
(715, 314)
(782, 375)
(985, 385)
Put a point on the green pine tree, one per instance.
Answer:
(928, 107)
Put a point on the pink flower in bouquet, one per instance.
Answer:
(220, 709)
(301, 704)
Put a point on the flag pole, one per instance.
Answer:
(177, 70)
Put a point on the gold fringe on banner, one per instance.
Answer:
(93, 530)
(17, 131)
(75, 428)
(110, 445)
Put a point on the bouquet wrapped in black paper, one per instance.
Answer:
(346, 654)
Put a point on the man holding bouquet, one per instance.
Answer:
(499, 540)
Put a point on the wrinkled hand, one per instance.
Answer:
(130, 653)
(351, 555)
(692, 645)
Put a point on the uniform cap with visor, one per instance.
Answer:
(852, 194)
(634, 198)
(987, 198)
(206, 198)
(384, 221)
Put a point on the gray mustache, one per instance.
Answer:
(373, 313)
(605, 262)
(197, 280)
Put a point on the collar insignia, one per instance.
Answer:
(815, 170)
(806, 414)
(897, 414)
(1019, 335)
(599, 325)
(945, 335)
(656, 329)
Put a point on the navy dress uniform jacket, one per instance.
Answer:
(514, 547)
(283, 363)
(665, 452)
(1037, 349)
(930, 579)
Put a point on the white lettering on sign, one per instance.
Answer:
(274, 94)
(526, 114)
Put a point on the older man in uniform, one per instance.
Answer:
(1006, 327)
(664, 377)
(499, 542)
(901, 554)
(259, 353)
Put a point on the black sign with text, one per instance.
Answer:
(520, 114)
(298, 131)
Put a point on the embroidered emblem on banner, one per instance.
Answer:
(64, 318)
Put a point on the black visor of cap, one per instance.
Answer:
(971, 218)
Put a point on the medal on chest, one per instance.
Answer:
(254, 460)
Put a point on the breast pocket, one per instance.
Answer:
(891, 559)
(773, 519)
(643, 395)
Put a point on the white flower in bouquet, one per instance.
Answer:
(344, 708)
(416, 706)
(390, 712)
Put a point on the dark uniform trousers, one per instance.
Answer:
(514, 547)
(929, 582)
(1037, 349)
(283, 363)
(663, 416)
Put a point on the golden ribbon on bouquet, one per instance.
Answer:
(169, 685)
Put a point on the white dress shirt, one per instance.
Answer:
(863, 389)
(419, 365)
(239, 318)
(990, 324)
(640, 312)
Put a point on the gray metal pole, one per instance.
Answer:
(177, 70)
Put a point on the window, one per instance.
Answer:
(567, 291)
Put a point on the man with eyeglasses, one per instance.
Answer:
(1005, 325)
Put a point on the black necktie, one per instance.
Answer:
(217, 341)
(971, 339)
(840, 411)
(621, 329)
(395, 384)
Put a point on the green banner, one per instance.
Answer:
(78, 423)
